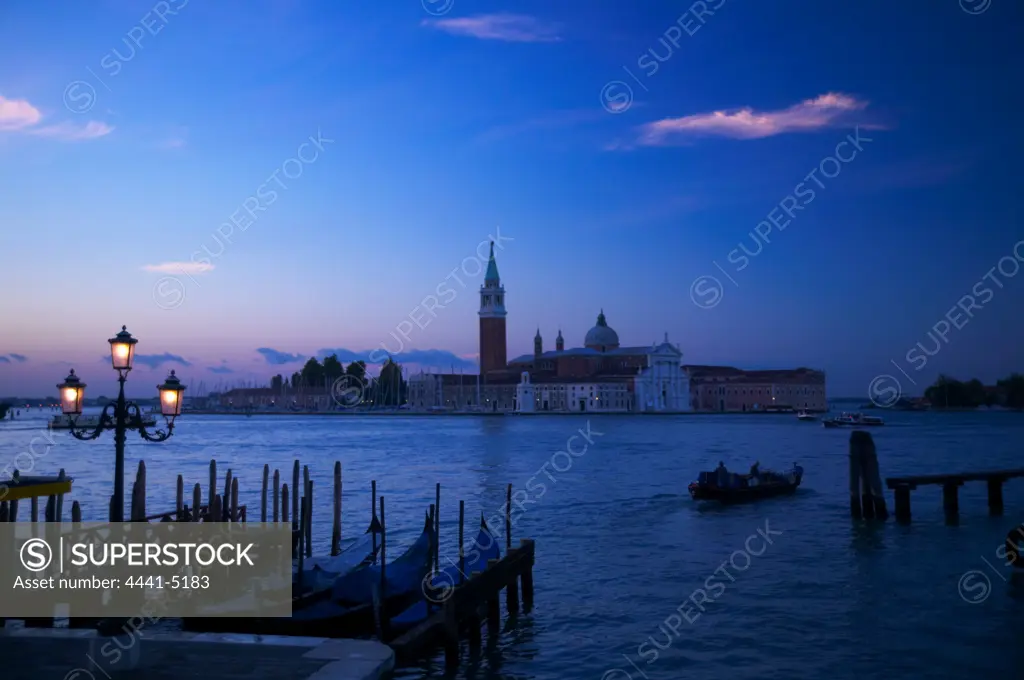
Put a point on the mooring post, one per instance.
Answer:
(213, 486)
(902, 495)
(451, 636)
(336, 520)
(473, 622)
(861, 446)
(295, 494)
(462, 556)
(197, 501)
(284, 503)
(263, 493)
(374, 527)
(179, 498)
(226, 496)
(234, 499)
(34, 509)
(512, 591)
(493, 610)
(950, 499)
(309, 518)
(276, 496)
(383, 553)
(437, 528)
(995, 496)
(855, 473)
(526, 545)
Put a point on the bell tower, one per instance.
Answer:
(492, 313)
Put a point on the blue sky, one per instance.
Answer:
(623, 150)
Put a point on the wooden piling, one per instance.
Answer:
(512, 591)
(373, 512)
(951, 500)
(301, 548)
(34, 508)
(179, 498)
(309, 518)
(4, 512)
(493, 610)
(226, 496)
(995, 496)
(234, 499)
(213, 486)
(277, 495)
(527, 576)
(216, 511)
(284, 503)
(856, 470)
(51, 508)
(902, 495)
(13, 511)
(263, 493)
(383, 552)
(437, 528)
(197, 500)
(462, 556)
(76, 513)
(295, 494)
(336, 518)
(61, 476)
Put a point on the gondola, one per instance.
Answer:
(346, 607)
(744, 488)
(475, 559)
(319, 573)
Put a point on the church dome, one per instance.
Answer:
(601, 337)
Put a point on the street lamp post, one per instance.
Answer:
(122, 415)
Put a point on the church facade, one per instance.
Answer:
(600, 376)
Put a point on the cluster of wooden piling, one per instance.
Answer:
(54, 509)
(474, 599)
(867, 500)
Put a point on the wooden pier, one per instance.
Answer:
(951, 483)
(469, 604)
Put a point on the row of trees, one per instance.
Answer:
(388, 389)
(951, 393)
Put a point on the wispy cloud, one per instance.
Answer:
(501, 26)
(277, 358)
(219, 369)
(20, 358)
(69, 132)
(154, 360)
(4, 360)
(18, 115)
(431, 358)
(179, 267)
(826, 111)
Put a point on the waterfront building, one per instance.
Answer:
(600, 376)
(728, 389)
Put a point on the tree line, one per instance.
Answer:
(948, 392)
(387, 389)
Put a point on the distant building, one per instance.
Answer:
(601, 376)
(728, 389)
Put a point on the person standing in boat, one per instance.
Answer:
(722, 475)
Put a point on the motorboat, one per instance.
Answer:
(729, 487)
(806, 417)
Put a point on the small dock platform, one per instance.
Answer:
(469, 603)
(157, 655)
(951, 483)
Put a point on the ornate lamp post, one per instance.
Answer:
(122, 415)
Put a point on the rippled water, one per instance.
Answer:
(621, 548)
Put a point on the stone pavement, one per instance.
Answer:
(62, 654)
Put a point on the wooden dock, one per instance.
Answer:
(469, 604)
(951, 483)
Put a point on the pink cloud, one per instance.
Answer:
(18, 115)
(826, 111)
(506, 27)
(69, 132)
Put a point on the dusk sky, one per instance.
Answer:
(625, 153)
